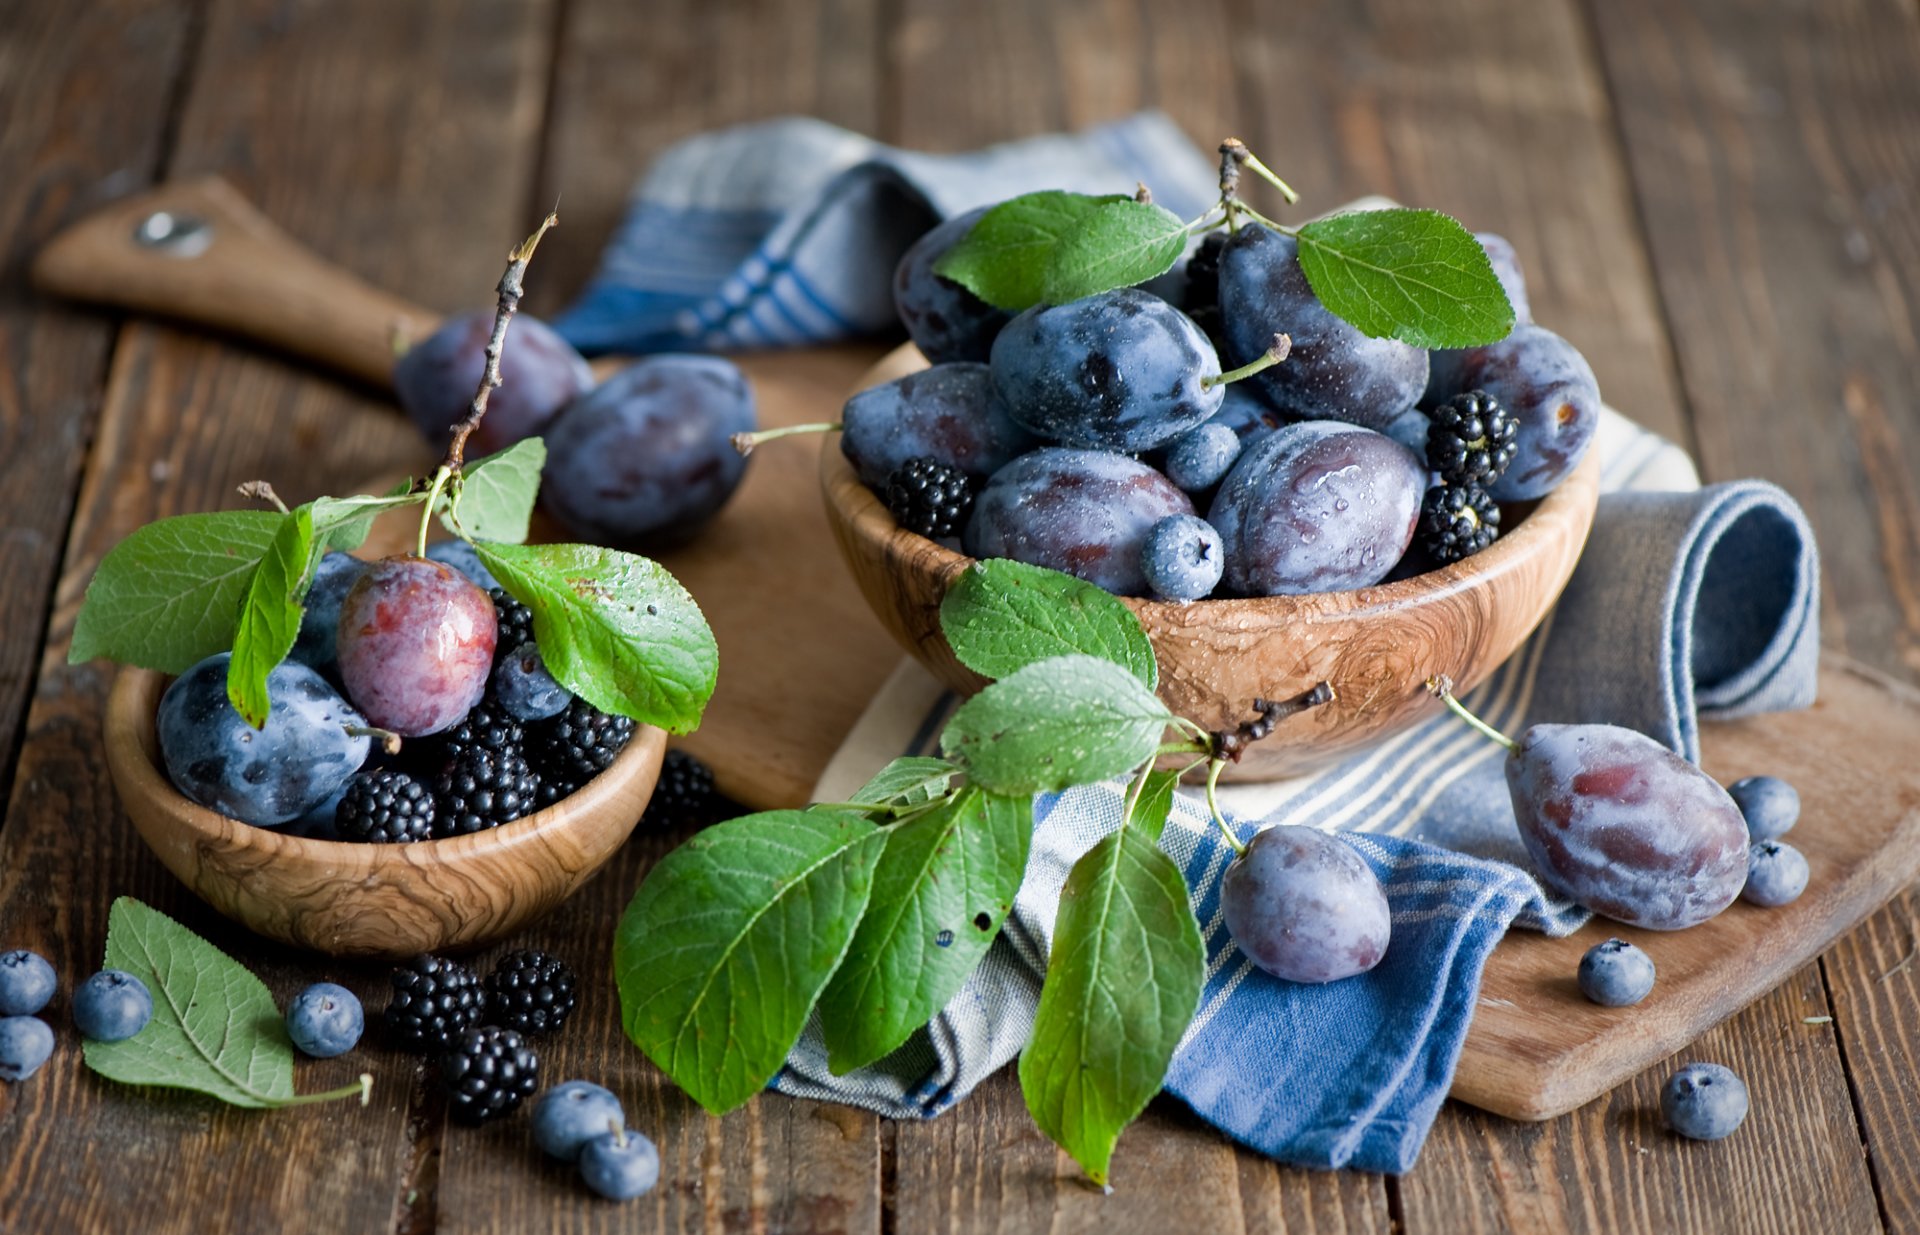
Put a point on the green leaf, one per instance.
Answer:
(943, 887)
(215, 1028)
(726, 946)
(343, 522)
(1121, 988)
(1002, 615)
(1149, 811)
(168, 596)
(496, 494)
(614, 628)
(270, 616)
(1067, 721)
(1413, 275)
(1119, 244)
(1004, 258)
(907, 781)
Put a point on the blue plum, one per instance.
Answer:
(269, 776)
(1547, 389)
(1333, 372)
(540, 373)
(1084, 512)
(1118, 371)
(646, 459)
(460, 555)
(945, 320)
(1317, 506)
(1305, 907)
(1246, 413)
(318, 644)
(948, 413)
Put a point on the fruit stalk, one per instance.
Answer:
(510, 291)
(1442, 686)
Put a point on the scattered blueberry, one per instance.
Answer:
(620, 1165)
(525, 688)
(1771, 806)
(325, 1020)
(1615, 974)
(460, 555)
(1776, 874)
(26, 983)
(1704, 1101)
(1199, 458)
(572, 1113)
(1182, 558)
(111, 1006)
(25, 1043)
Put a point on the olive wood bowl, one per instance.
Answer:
(364, 900)
(1377, 646)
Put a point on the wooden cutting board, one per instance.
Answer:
(801, 655)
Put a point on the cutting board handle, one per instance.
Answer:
(197, 250)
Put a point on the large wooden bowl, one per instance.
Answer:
(1376, 645)
(389, 901)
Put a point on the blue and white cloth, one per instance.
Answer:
(1688, 602)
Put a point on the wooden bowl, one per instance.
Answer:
(391, 901)
(1376, 645)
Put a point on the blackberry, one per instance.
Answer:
(487, 1073)
(481, 789)
(575, 746)
(930, 497)
(489, 726)
(515, 621)
(1457, 521)
(683, 797)
(530, 992)
(384, 806)
(434, 1002)
(1471, 440)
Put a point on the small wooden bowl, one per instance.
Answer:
(1376, 645)
(390, 901)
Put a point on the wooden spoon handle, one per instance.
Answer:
(198, 251)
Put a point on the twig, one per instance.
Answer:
(1232, 743)
(510, 292)
(1905, 961)
(261, 491)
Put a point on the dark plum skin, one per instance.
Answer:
(1333, 371)
(1118, 371)
(945, 320)
(1084, 512)
(269, 776)
(1620, 824)
(948, 413)
(540, 373)
(1305, 907)
(317, 644)
(1506, 268)
(1317, 506)
(416, 645)
(1246, 413)
(1546, 385)
(647, 458)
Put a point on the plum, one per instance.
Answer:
(540, 373)
(1547, 389)
(946, 321)
(317, 644)
(645, 459)
(1317, 506)
(416, 644)
(1084, 512)
(948, 413)
(1304, 906)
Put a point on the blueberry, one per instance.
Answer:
(26, 983)
(325, 1020)
(1704, 1101)
(1776, 874)
(1770, 805)
(1615, 974)
(620, 1165)
(525, 688)
(1182, 559)
(569, 1115)
(317, 646)
(267, 776)
(460, 555)
(25, 1044)
(111, 1006)
(1200, 457)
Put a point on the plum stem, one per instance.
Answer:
(361, 1089)
(1443, 687)
(1214, 767)
(745, 442)
(509, 291)
(388, 739)
(1282, 346)
(261, 491)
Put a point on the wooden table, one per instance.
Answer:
(1716, 200)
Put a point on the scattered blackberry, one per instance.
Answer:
(575, 746)
(684, 795)
(530, 992)
(434, 1001)
(1457, 521)
(384, 806)
(515, 621)
(481, 789)
(930, 497)
(1472, 439)
(487, 1073)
